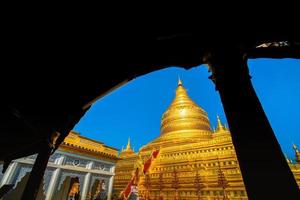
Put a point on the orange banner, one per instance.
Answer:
(148, 162)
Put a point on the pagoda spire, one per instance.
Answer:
(179, 81)
(295, 148)
(297, 153)
(128, 147)
(220, 126)
(287, 159)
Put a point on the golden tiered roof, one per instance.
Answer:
(128, 151)
(75, 143)
(185, 116)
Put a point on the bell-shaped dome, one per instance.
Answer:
(184, 115)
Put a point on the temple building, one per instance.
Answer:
(81, 168)
(194, 160)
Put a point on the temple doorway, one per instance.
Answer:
(98, 191)
(69, 189)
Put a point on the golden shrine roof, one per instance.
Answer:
(76, 143)
(184, 114)
(128, 151)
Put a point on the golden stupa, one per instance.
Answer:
(194, 161)
(124, 169)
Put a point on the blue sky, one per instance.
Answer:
(135, 109)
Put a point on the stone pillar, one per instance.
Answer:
(110, 187)
(112, 169)
(265, 171)
(86, 183)
(9, 174)
(111, 182)
(85, 188)
(53, 183)
(54, 178)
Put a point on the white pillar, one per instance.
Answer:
(53, 183)
(54, 178)
(87, 180)
(112, 169)
(9, 174)
(110, 186)
(111, 181)
(85, 187)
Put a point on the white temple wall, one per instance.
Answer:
(61, 165)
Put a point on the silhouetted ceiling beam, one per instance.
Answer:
(275, 52)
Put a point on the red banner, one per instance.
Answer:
(155, 153)
(134, 180)
(148, 162)
(127, 191)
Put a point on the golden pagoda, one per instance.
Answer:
(124, 168)
(194, 161)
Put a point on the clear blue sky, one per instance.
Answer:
(135, 109)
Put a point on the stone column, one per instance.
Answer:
(265, 171)
(53, 183)
(86, 183)
(112, 169)
(110, 187)
(9, 174)
(54, 178)
(111, 182)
